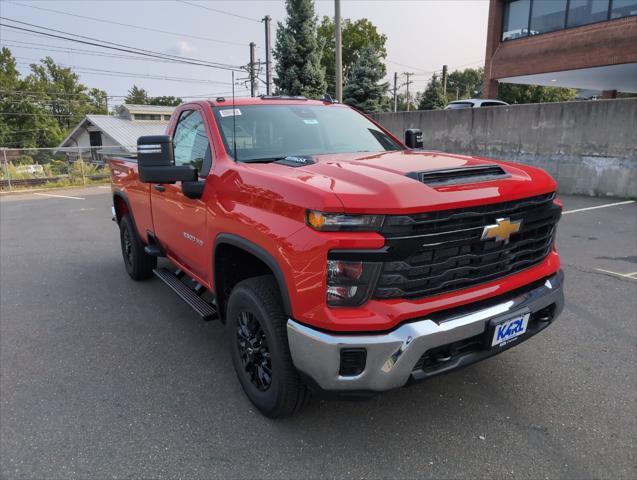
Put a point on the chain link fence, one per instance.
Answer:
(51, 167)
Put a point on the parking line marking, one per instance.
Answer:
(598, 206)
(632, 276)
(104, 186)
(58, 196)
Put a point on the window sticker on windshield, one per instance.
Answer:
(311, 121)
(231, 112)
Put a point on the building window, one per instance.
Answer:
(532, 17)
(582, 12)
(623, 8)
(166, 118)
(146, 116)
(547, 16)
(95, 139)
(516, 19)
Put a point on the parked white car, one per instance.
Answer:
(474, 103)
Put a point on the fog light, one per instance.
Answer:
(352, 362)
(350, 283)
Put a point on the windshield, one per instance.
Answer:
(270, 132)
(456, 105)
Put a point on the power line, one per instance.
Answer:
(60, 49)
(115, 73)
(117, 46)
(219, 11)
(409, 66)
(33, 93)
(167, 32)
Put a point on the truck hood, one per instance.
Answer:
(379, 182)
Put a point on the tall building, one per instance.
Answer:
(585, 44)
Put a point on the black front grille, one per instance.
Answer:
(453, 176)
(444, 251)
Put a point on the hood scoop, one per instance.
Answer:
(455, 176)
(296, 161)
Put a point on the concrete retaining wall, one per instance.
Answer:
(589, 147)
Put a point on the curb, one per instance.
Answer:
(51, 189)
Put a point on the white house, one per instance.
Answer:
(118, 134)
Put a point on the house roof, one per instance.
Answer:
(132, 108)
(122, 130)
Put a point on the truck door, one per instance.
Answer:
(180, 222)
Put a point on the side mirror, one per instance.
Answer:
(156, 161)
(413, 138)
(155, 151)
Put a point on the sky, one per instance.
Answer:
(422, 35)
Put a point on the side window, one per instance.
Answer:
(191, 142)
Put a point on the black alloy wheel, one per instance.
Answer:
(256, 328)
(254, 351)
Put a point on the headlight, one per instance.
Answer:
(350, 283)
(340, 222)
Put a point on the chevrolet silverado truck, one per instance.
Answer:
(340, 259)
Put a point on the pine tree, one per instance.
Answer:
(136, 96)
(363, 90)
(296, 50)
(432, 98)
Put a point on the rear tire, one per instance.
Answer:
(256, 328)
(138, 263)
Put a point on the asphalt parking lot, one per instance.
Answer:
(103, 377)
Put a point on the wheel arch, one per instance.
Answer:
(254, 250)
(122, 207)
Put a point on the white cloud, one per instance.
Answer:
(182, 48)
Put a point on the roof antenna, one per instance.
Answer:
(234, 123)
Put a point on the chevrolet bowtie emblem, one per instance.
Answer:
(502, 230)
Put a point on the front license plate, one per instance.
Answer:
(510, 329)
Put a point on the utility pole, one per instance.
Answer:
(408, 82)
(444, 80)
(253, 76)
(6, 167)
(268, 56)
(395, 91)
(339, 51)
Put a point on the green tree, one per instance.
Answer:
(465, 83)
(67, 99)
(168, 101)
(137, 96)
(296, 50)
(401, 102)
(356, 36)
(364, 90)
(9, 81)
(512, 93)
(27, 108)
(432, 98)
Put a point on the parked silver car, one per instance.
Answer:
(474, 103)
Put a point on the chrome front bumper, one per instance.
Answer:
(391, 357)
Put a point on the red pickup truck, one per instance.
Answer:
(340, 259)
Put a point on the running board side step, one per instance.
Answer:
(154, 251)
(205, 310)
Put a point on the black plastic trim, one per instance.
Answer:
(193, 190)
(457, 176)
(130, 211)
(261, 254)
(168, 174)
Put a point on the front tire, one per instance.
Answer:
(138, 263)
(257, 332)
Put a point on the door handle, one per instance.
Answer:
(159, 188)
